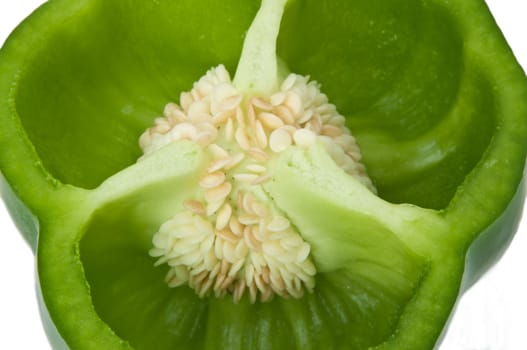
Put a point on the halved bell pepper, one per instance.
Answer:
(429, 88)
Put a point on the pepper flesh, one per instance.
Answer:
(460, 203)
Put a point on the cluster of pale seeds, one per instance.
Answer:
(230, 237)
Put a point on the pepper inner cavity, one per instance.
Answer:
(230, 238)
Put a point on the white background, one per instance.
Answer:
(491, 316)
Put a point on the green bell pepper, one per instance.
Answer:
(429, 88)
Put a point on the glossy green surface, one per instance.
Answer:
(429, 88)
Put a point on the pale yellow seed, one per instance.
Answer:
(331, 130)
(195, 206)
(326, 108)
(228, 251)
(224, 215)
(267, 295)
(217, 151)
(261, 104)
(291, 242)
(309, 268)
(287, 277)
(266, 275)
(294, 103)
(305, 117)
(241, 249)
(221, 117)
(218, 248)
(212, 180)
(205, 287)
(227, 236)
(316, 121)
(278, 223)
(161, 260)
(229, 130)
(206, 245)
(356, 156)
(270, 121)
(256, 168)
(145, 139)
(190, 258)
(238, 291)
(235, 226)
(240, 118)
(248, 219)
(176, 116)
(200, 277)
(346, 142)
(175, 282)
(272, 248)
(260, 209)
(207, 126)
(235, 268)
(215, 271)
(261, 179)
(258, 233)
(305, 278)
(258, 260)
(195, 95)
(261, 137)
(219, 164)
(231, 102)
(203, 87)
(277, 98)
(260, 283)
(303, 253)
(290, 129)
(242, 139)
(185, 131)
(204, 138)
(295, 292)
(249, 274)
(314, 125)
(251, 116)
(218, 193)
(218, 283)
(157, 252)
(197, 110)
(304, 137)
(239, 199)
(222, 74)
(285, 114)
(201, 118)
(288, 82)
(181, 272)
(171, 110)
(186, 100)
(280, 140)
(257, 154)
(337, 120)
(227, 283)
(209, 258)
(251, 241)
(245, 177)
(253, 293)
(213, 207)
(277, 282)
(235, 160)
(225, 266)
(247, 200)
(161, 125)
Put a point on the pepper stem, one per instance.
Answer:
(257, 71)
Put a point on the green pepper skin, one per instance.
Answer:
(59, 153)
